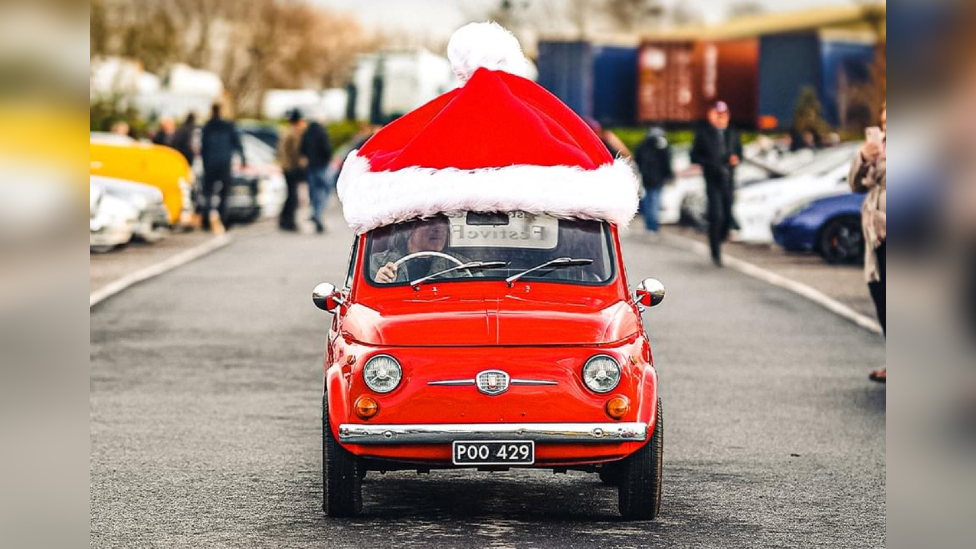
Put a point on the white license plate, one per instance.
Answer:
(494, 453)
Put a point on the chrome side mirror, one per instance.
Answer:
(327, 297)
(650, 293)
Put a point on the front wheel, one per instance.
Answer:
(641, 484)
(341, 481)
(842, 241)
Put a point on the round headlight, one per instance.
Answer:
(601, 374)
(382, 374)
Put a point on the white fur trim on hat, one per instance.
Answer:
(485, 45)
(376, 199)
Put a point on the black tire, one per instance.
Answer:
(842, 241)
(641, 486)
(341, 481)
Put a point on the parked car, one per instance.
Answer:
(685, 200)
(527, 352)
(107, 138)
(152, 218)
(829, 226)
(112, 222)
(156, 166)
(263, 166)
(757, 206)
(694, 205)
(266, 133)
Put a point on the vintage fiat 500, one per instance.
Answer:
(491, 341)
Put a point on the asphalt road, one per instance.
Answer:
(205, 431)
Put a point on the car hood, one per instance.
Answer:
(126, 189)
(769, 196)
(507, 321)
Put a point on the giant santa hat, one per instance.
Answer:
(499, 143)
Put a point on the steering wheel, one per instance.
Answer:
(421, 255)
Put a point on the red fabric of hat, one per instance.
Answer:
(499, 143)
(497, 120)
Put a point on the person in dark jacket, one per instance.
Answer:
(184, 136)
(718, 150)
(317, 150)
(218, 143)
(166, 133)
(653, 160)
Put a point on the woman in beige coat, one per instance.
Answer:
(868, 176)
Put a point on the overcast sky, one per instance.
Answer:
(441, 17)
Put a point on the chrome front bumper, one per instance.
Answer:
(538, 432)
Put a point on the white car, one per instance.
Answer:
(758, 206)
(112, 222)
(272, 189)
(152, 223)
(694, 204)
(684, 200)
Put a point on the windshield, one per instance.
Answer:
(406, 252)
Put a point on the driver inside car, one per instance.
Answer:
(412, 238)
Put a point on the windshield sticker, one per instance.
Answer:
(523, 230)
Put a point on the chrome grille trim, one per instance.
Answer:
(472, 383)
(597, 433)
(534, 382)
(452, 383)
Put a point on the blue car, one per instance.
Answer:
(829, 226)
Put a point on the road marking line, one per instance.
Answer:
(142, 275)
(769, 277)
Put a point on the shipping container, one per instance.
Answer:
(679, 80)
(736, 74)
(846, 69)
(668, 82)
(787, 64)
(834, 68)
(566, 70)
(615, 85)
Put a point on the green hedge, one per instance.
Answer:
(633, 136)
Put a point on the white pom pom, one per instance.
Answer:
(485, 45)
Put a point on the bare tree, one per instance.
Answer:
(880, 74)
(155, 41)
(744, 8)
(580, 14)
(254, 45)
(685, 14)
(632, 15)
(290, 45)
(99, 29)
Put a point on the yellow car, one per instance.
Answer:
(152, 165)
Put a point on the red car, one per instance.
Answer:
(491, 342)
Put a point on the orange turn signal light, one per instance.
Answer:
(618, 407)
(367, 408)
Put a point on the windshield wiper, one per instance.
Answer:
(472, 266)
(561, 263)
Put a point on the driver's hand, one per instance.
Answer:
(387, 274)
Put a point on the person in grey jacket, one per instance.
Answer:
(868, 176)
